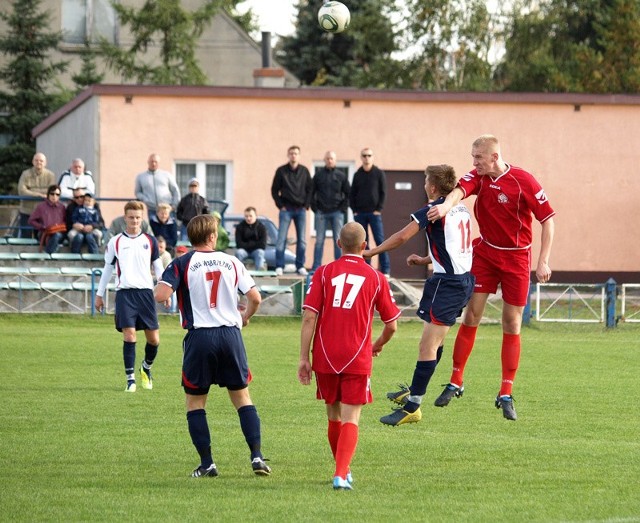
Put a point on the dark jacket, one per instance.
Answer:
(168, 230)
(330, 191)
(292, 188)
(190, 206)
(251, 237)
(87, 216)
(368, 190)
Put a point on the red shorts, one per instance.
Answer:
(352, 389)
(510, 269)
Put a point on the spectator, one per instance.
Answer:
(48, 218)
(88, 224)
(162, 224)
(223, 236)
(119, 225)
(366, 199)
(191, 205)
(251, 239)
(76, 178)
(165, 256)
(329, 202)
(291, 191)
(181, 249)
(155, 186)
(34, 182)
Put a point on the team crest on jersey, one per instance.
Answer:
(541, 197)
(502, 198)
(145, 246)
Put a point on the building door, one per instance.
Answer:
(405, 194)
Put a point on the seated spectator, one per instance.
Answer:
(76, 178)
(223, 236)
(165, 256)
(181, 249)
(48, 218)
(88, 224)
(162, 224)
(251, 239)
(191, 205)
(119, 225)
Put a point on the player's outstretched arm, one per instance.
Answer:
(416, 259)
(395, 240)
(543, 271)
(306, 335)
(440, 211)
(386, 334)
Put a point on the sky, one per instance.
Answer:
(275, 16)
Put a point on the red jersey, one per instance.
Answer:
(504, 206)
(345, 293)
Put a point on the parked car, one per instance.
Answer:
(232, 220)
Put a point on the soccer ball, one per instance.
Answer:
(334, 17)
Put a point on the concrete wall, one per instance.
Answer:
(585, 155)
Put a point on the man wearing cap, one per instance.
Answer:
(190, 206)
(88, 223)
(155, 186)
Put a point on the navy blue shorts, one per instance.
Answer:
(444, 296)
(136, 308)
(214, 356)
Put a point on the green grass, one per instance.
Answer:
(75, 447)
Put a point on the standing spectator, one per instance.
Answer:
(88, 224)
(155, 186)
(329, 202)
(366, 199)
(191, 205)
(445, 294)
(34, 182)
(162, 224)
(251, 239)
(291, 191)
(338, 314)
(507, 196)
(48, 218)
(76, 178)
(214, 353)
(133, 254)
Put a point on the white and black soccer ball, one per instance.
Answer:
(334, 17)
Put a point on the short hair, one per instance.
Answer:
(52, 188)
(133, 205)
(250, 209)
(443, 176)
(200, 228)
(160, 239)
(487, 142)
(352, 236)
(293, 147)
(163, 207)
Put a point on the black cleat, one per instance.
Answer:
(201, 472)
(506, 404)
(260, 468)
(400, 417)
(450, 391)
(399, 397)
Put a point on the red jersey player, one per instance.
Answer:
(337, 316)
(507, 196)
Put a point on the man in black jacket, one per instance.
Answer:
(366, 199)
(291, 191)
(329, 202)
(251, 239)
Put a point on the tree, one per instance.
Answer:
(88, 74)
(30, 79)
(359, 57)
(174, 30)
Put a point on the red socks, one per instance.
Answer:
(346, 448)
(461, 350)
(510, 360)
(333, 434)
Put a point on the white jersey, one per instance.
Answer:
(207, 285)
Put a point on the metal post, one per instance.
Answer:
(610, 289)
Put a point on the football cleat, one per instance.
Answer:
(341, 484)
(450, 391)
(131, 386)
(400, 417)
(145, 378)
(260, 468)
(399, 397)
(200, 472)
(349, 478)
(506, 404)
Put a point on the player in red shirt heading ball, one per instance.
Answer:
(507, 196)
(338, 314)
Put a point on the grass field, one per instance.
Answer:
(75, 447)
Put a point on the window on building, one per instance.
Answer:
(88, 21)
(214, 178)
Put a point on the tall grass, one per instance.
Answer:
(75, 447)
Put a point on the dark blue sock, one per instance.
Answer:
(421, 376)
(250, 425)
(200, 436)
(150, 353)
(439, 353)
(129, 356)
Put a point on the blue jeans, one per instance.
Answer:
(299, 217)
(53, 242)
(335, 220)
(368, 219)
(88, 238)
(257, 255)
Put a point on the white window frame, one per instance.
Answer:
(201, 176)
(89, 25)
